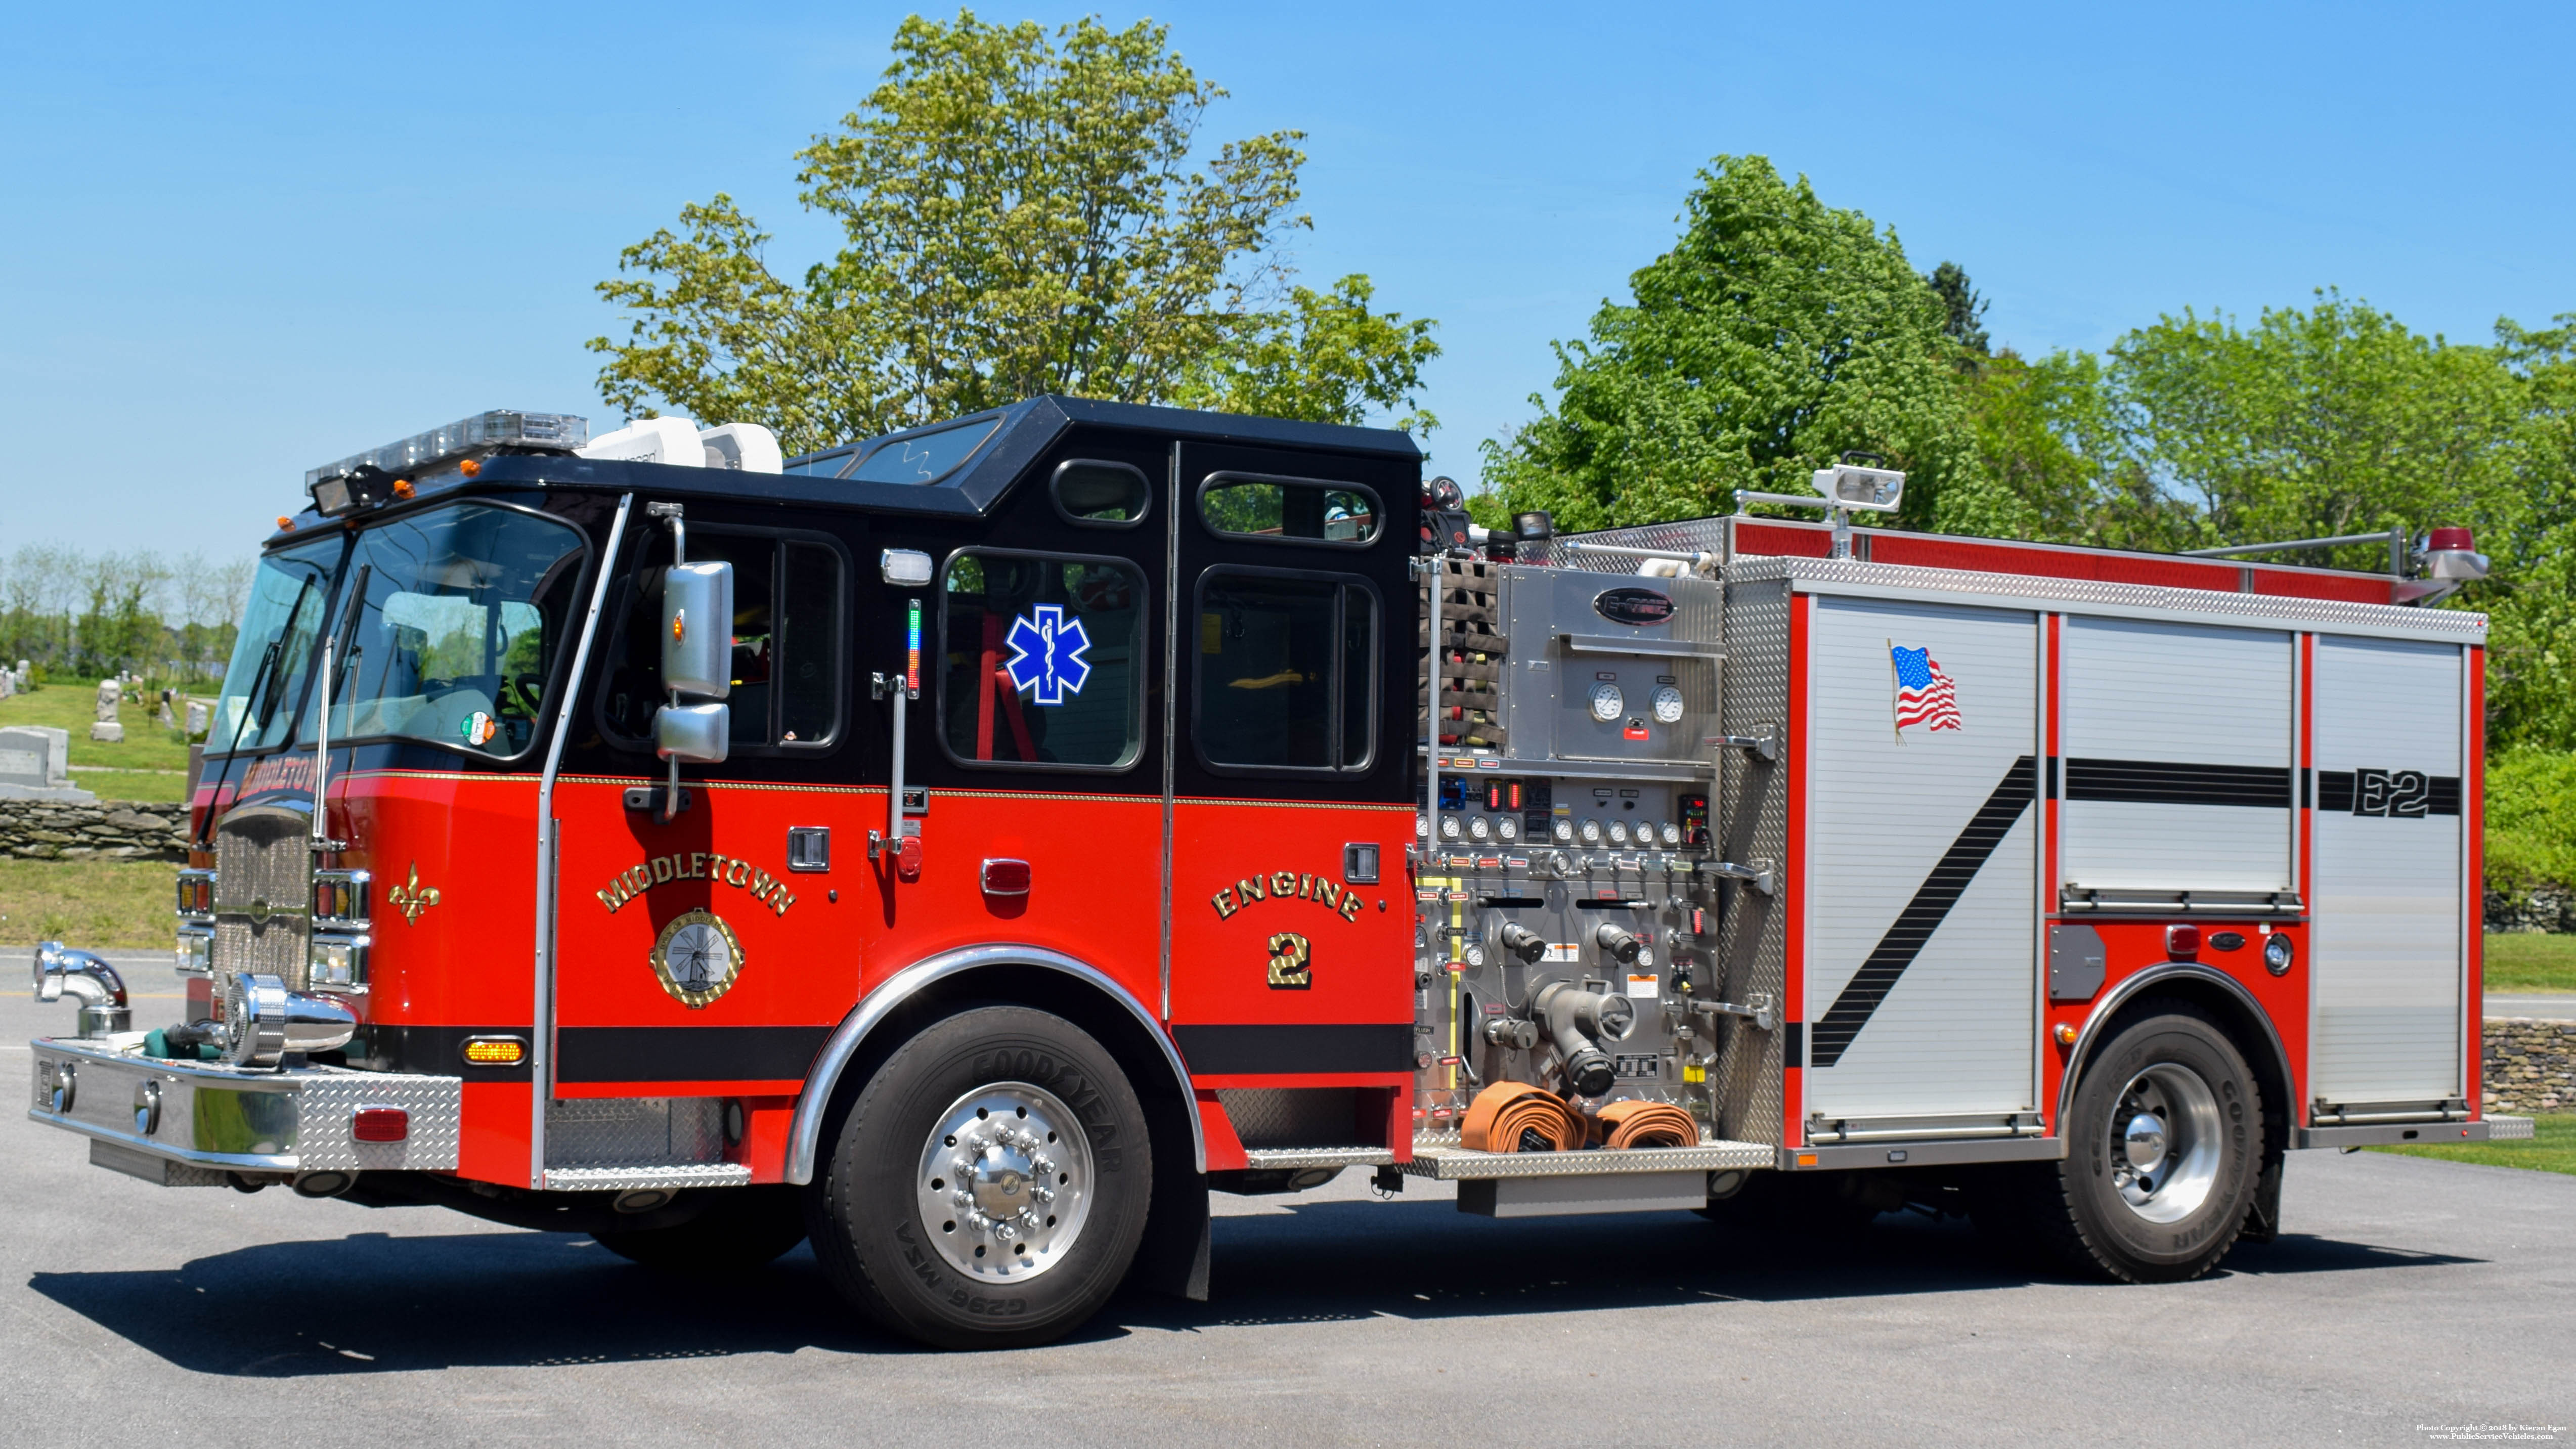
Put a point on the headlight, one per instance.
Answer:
(339, 962)
(195, 955)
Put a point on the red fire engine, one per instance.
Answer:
(968, 847)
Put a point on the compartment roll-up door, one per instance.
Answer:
(2175, 758)
(2390, 913)
(1919, 882)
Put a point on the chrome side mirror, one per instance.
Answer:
(697, 632)
(701, 734)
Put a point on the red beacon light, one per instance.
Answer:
(2451, 556)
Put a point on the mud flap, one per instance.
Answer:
(2263, 1215)
(1174, 1257)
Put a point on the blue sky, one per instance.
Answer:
(248, 241)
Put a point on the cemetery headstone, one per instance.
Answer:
(107, 730)
(35, 765)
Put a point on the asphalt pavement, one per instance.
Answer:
(2406, 1295)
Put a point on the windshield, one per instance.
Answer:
(275, 651)
(456, 634)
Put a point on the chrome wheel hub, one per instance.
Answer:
(1005, 1182)
(2166, 1136)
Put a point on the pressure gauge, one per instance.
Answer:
(1421, 827)
(1473, 955)
(1672, 833)
(1564, 831)
(1592, 832)
(1479, 828)
(1507, 827)
(1608, 703)
(1668, 705)
(1450, 828)
(1618, 832)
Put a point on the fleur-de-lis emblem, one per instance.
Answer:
(411, 897)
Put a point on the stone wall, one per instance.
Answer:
(50, 830)
(2530, 1066)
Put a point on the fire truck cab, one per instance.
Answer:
(968, 847)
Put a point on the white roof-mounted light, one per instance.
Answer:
(464, 438)
(1850, 486)
(680, 443)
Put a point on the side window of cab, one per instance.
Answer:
(790, 595)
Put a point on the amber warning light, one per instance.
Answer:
(495, 1051)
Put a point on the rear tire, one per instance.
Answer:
(741, 1228)
(2164, 1147)
(989, 1186)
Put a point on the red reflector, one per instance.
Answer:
(2182, 941)
(1006, 877)
(380, 1124)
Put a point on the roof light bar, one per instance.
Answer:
(500, 428)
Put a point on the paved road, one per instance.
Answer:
(2550, 1005)
(2408, 1293)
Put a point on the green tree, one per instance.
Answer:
(1021, 213)
(2329, 420)
(1777, 333)
(1963, 307)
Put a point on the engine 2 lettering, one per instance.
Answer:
(1286, 885)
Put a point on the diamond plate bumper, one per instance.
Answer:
(231, 1119)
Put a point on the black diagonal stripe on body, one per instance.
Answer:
(1833, 1033)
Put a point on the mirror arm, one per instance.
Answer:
(669, 808)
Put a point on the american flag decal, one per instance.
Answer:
(1924, 695)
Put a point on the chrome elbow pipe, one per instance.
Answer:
(88, 979)
(263, 1022)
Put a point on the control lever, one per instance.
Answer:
(1764, 746)
(1757, 1009)
(1759, 874)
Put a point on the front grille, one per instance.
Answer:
(264, 894)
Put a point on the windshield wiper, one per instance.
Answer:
(267, 661)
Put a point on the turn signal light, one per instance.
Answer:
(380, 1124)
(2182, 942)
(495, 1051)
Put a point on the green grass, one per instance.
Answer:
(2529, 961)
(157, 757)
(87, 903)
(2553, 1149)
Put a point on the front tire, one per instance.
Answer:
(989, 1186)
(2164, 1145)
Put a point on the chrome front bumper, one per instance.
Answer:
(192, 1123)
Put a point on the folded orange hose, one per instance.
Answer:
(1505, 1110)
(1649, 1124)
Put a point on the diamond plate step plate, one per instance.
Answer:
(593, 1179)
(1457, 1164)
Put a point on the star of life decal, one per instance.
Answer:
(1046, 654)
